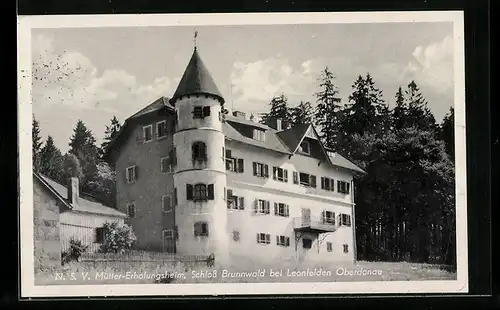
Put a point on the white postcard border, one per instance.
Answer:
(28, 289)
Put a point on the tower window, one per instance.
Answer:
(201, 112)
(199, 151)
(200, 192)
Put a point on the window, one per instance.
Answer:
(280, 174)
(346, 248)
(200, 192)
(281, 209)
(262, 206)
(306, 243)
(345, 220)
(131, 210)
(199, 151)
(235, 202)
(100, 234)
(234, 164)
(201, 112)
(260, 170)
(259, 135)
(328, 217)
(166, 204)
(147, 133)
(304, 179)
(283, 241)
(305, 147)
(168, 234)
(236, 235)
(327, 183)
(201, 229)
(161, 129)
(343, 187)
(329, 247)
(263, 238)
(131, 174)
(166, 167)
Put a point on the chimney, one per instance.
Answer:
(239, 114)
(73, 190)
(278, 125)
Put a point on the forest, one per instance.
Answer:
(405, 203)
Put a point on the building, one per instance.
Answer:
(60, 214)
(196, 181)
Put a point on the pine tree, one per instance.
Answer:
(83, 146)
(51, 160)
(72, 167)
(110, 133)
(37, 143)
(400, 111)
(419, 114)
(279, 110)
(302, 114)
(328, 114)
(447, 133)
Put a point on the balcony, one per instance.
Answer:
(313, 225)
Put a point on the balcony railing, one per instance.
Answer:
(314, 224)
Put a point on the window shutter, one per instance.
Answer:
(266, 171)
(268, 238)
(268, 207)
(312, 180)
(240, 165)
(223, 154)
(285, 175)
(242, 203)
(340, 219)
(295, 177)
(228, 154)
(210, 191)
(203, 147)
(323, 183)
(174, 156)
(256, 206)
(276, 211)
(229, 194)
(287, 209)
(274, 173)
(287, 241)
(349, 220)
(206, 111)
(136, 172)
(347, 187)
(189, 192)
(277, 240)
(175, 196)
(258, 238)
(254, 168)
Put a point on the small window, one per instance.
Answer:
(305, 147)
(147, 133)
(166, 204)
(259, 135)
(281, 209)
(329, 247)
(280, 174)
(199, 151)
(131, 210)
(306, 179)
(200, 192)
(328, 217)
(166, 166)
(345, 220)
(198, 112)
(346, 248)
(100, 234)
(263, 238)
(168, 234)
(201, 229)
(343, 187)
(327, 184)
(236, 235)
(260, 170)
(235, 202)
(283, 241)
(161, 129)
(306, 243)
(131, 174)
(262, 207)
(206, 111)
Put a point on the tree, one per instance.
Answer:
(117, 238)
(72, 167)
(418, 114)
(400, 111)
(447, 133)
(83, 146)
(104, 186)
(302, 114)
(51, 160)
(279, 110)
(111, 132)
(37, 144)
(328, 114)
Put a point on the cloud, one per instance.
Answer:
(433, 65)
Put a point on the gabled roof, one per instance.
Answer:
(85, 205)
(271, 142)
(339, 160)
(293, 136)
(196, 80)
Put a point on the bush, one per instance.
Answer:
(118, 239)
(76, 249)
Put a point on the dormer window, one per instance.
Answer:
(201, 112)
(259, 135)
(199, 151)
(305, 147)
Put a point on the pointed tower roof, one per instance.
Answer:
(196, 80)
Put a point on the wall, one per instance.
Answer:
(47, 247)
(82, 226)
(151, 185)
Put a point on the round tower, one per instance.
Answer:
(199, 173)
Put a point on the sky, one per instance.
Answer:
(94, 73)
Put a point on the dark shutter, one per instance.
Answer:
(223, 153)
(266, 171)
(276, 211)
(189, 192)
(287, 241)
(267, 207)
(136, 172)
(175, 196)
(228, 154)
(323, 183)
(340, 219)
(277, 240)
(258, 238)
(210, 191)
(312, 181)
(295, 177)
(285, 175)
(287, 211)
(347, 187)
(274, 172)
(206, 111)
(240, 165)
(174, 156)
(242, 203)
(254, 168)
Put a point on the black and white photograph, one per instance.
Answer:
(229, 154)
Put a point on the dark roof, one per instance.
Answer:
(292, 137)
(196, 80)
(341, 161)
(84, 205)
(272, 142)
(239, 120)
(157, 105)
